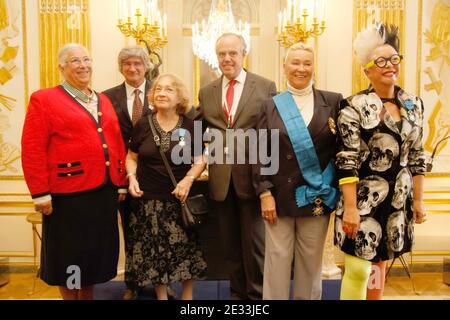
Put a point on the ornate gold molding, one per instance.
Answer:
(419, 48)
(196, 79)
(437, 175)
(436, 191)
(25, 51)
(17, 254)
(20, 204)
(11, 178)
(15, 214)
(437, 201)
(429, 253)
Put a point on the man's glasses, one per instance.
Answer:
(381, 62)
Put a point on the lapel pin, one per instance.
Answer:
(182, 133)
(409, 104)
(332, 125)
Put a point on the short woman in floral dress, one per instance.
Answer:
(380, 164)
(163, 252)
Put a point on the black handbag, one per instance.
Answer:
(194, 210)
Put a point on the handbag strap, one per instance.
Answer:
(163, 155)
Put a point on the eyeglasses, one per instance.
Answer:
(381, 62)
(76, 62)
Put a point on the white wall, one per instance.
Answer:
(106, 43)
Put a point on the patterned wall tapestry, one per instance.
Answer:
(366, 12)
(13, 85)
(60, 22)
(434, 78)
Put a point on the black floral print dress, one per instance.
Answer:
(384, 155)
(162, 251)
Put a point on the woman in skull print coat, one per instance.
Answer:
(380, 165)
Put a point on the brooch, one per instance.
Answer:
(332, 125)
(409, 104)
(182, 134)
(318, 208)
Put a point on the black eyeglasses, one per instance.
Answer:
(381, 62)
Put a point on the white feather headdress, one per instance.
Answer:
(366, 42)
(371, 38)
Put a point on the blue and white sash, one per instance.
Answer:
(318, 182)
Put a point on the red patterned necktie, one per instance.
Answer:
(229, 105)
(137, 107)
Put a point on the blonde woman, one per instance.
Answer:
(297, 200)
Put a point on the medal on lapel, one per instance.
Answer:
(318, 207)
(332, 125)
(182, 134)
(409, 104)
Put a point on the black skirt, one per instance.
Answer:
(80, 239)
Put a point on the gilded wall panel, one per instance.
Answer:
(13, 85)
(60, 22)
(434, 78)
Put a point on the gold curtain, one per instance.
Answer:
(60, 22)
(366, 12)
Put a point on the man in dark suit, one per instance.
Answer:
(130, 103)
(233, 102)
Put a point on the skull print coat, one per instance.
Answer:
(384, 155)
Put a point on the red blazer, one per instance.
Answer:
(65, 151)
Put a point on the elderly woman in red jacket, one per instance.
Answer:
(73, 160)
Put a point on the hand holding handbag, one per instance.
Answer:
(195, 209)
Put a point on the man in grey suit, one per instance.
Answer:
(233, 102)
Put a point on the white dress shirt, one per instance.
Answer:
(238, 88)
(130, 96)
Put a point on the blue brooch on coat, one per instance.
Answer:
(409, 104)
(182, 139)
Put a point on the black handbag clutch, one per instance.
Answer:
(194, 210)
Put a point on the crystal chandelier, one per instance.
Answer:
(301, 20)
(220, 21)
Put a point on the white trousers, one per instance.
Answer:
(303, 240)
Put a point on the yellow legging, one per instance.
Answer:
(354, 282)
